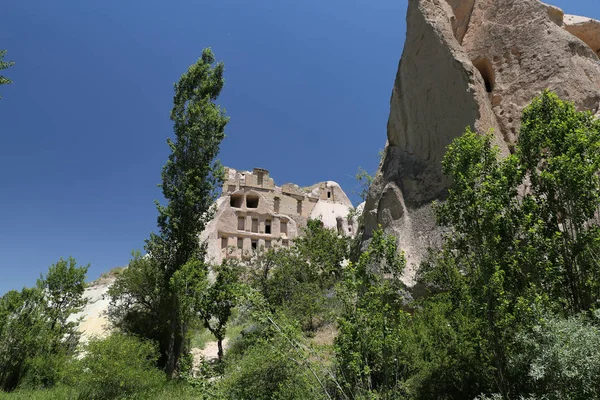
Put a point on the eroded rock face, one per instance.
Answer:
(474, 63)
(586, 29)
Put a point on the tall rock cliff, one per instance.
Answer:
(474, 63)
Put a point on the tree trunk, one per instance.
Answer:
(171, 358)
(220, 346)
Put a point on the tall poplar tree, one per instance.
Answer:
(190, 180)
(147, 299)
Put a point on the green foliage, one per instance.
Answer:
(364, 180)
(521, 241)
(560, 149)
(562, 357)
(63, 287)
(273, 359)
(369, 346)
(300, 280)
(212, 302)
(190, 180)
(59, 392)
(4, 65)
(268, 370)
(36, 335)
(136, 298)
(118, 366)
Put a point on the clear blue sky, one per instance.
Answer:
(84, 124)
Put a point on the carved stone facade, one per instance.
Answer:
(254, 213)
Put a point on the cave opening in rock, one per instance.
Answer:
(251, 201)
(236, 200)
(485, 68)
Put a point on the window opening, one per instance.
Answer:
(241, 223)
(268, 227)
(283, 227)
(236, 200)
(276, 206)
(252, 201)
(254, 244)
(254, 225)
(240, 243)
(299, 207)
(223, 242)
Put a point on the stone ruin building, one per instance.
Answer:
(253, 213)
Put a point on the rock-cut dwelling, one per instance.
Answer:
(253, 213)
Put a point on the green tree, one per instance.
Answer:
(522, 237)
(190, 180)
(369, 345)
(136, 298)
(36, 335)
(63, 286)
(300, 280)
(364, 180)
(218, 301)
(560, 149)
(4, 65)
(211, 303)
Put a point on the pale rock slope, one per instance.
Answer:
(93, 321)
(474, 63)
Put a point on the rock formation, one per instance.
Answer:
(474, 63)
(253, 212)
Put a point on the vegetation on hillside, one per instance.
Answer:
(4, 65)
(512, 310)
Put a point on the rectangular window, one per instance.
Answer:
(328, 194)
(260, 179)
(241, 223)
(223, 242)
(268, 227)
(299, 207)
(240, 243)
(268, 244)
(283, 227)
(254, 225)
(254, 244)
(276, 205)
(251, 201)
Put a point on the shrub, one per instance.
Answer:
(268, 370)
(119, 366)
(562, 358)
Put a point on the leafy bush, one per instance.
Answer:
(369, 345)
(562, 357)
(119, 366)
(268, 370)
(36, 335)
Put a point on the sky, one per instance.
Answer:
(84, 125)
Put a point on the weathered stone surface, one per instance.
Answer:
(253, 213)
(586, 29)
(471, 63)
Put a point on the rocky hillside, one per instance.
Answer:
(470, 63)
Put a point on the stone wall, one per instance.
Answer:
(253, 213)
